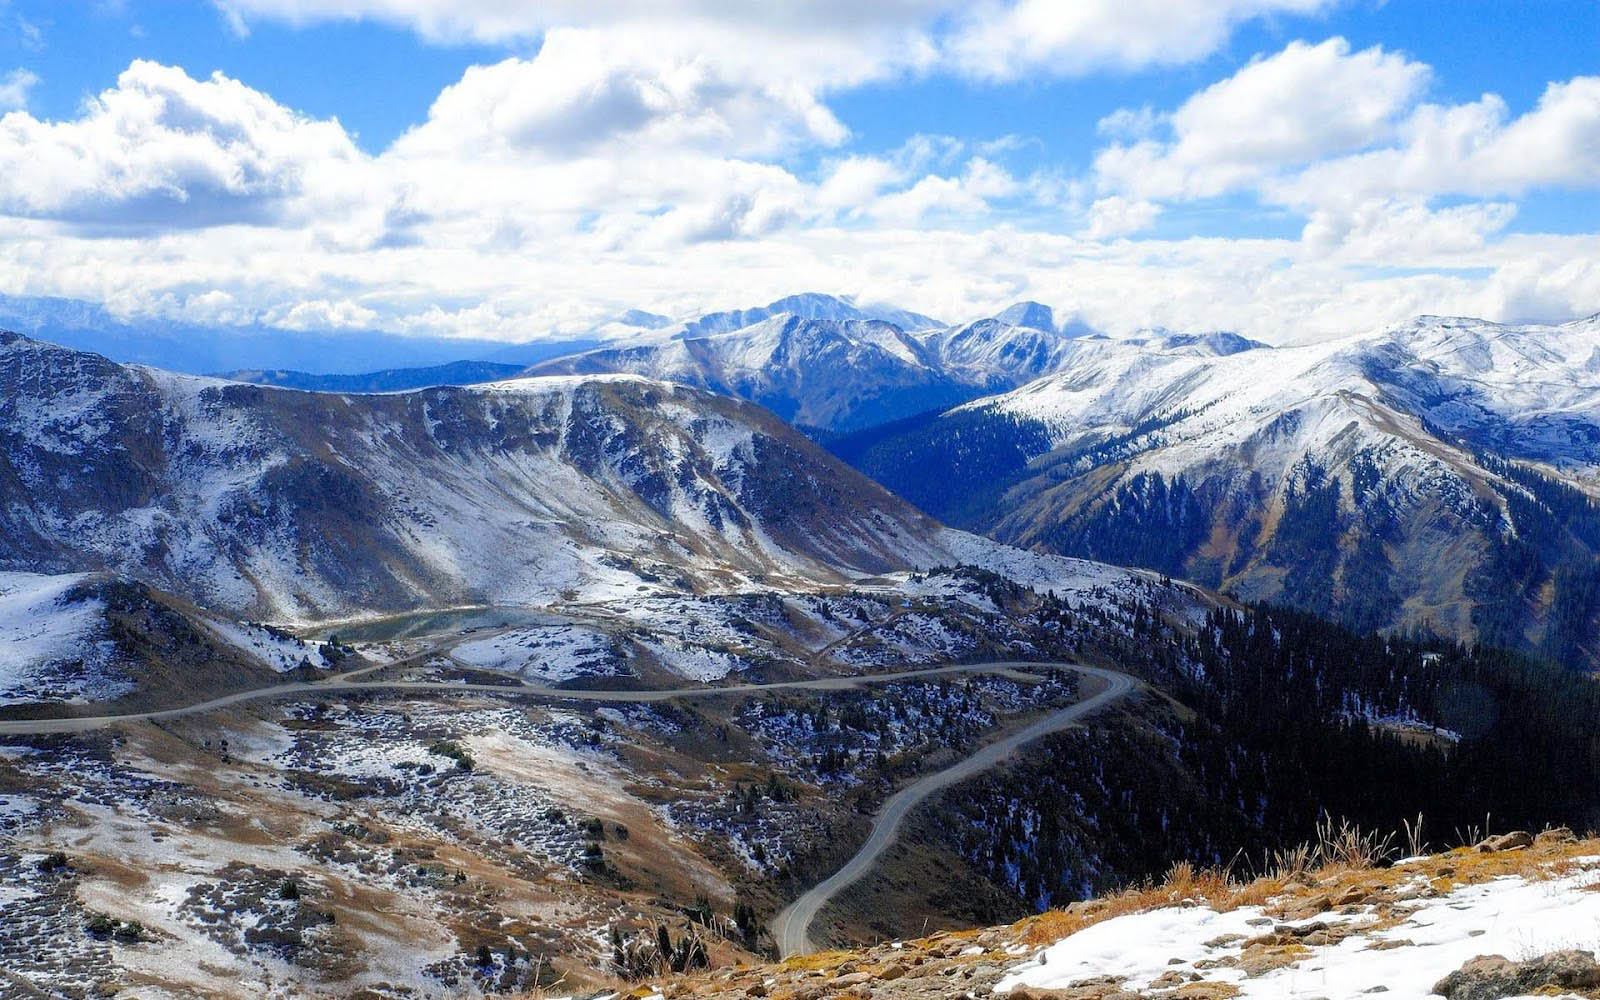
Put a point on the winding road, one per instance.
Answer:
(792, 927)
(334, 686)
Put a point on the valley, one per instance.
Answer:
(701, 500)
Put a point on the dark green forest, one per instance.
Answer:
(1293, 717)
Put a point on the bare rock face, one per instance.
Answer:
(1490, 977)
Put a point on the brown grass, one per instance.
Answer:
(1341, 857)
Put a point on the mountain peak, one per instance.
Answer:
(1033, 315)
(644, 320)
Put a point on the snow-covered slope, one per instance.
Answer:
(807, 305)
(53, 642)
(1432, 473)
(1429, 935)
(75, 638)
(288, 505)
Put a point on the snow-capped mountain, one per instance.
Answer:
(807, 305)
(1440, 473)
(835, 374)
(286, 505)
(826, 364)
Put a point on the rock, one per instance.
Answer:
(758, 990)
(1223, 940)
(1206, 991)
(1506, 842)
(1305, 909)
(1490, 977)
(1262, 959)
(1351, 896)
(892, 972)
(1558, 835)
(1390, 943)
(851, 979)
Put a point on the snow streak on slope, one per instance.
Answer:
(553, 653)
(53, 642)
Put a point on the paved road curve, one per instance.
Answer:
(334, 686)
(792, 927)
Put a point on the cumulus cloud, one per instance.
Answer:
(832, 41)
(612, 163)
(1292, 108)
(1477, 149)
(1344, 138)
(585, 89)
(163, 147)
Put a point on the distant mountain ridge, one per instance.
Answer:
(827, 365)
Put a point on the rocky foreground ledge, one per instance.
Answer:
(1516, 915)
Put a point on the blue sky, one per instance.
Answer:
(1354, 162)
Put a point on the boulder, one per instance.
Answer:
(1506, 841)
(1490, 977)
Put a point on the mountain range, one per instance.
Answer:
(829, 366)
(291, 506)
(1437, 474)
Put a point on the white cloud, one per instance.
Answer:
(1130, 123)
(1292, 108)
(164, 149)
(587, 88)
(1119, 216)
(1382, 231)
(14, 87)
(1474, 149)
(1012, 40)
(511, 20)
(968, 194)
(685, 157)
(1343, 139)
(835, 42)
